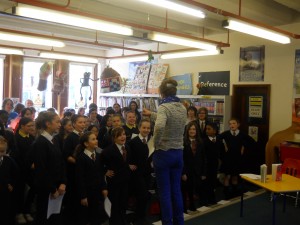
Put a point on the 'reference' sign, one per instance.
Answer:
(214, 83)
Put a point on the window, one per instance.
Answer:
(1, 75)
(79, 96)
(42, 100)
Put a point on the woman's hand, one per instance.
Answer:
(104, 193)
(110, 173)
(10, 187)
(132, 167)
(184, 177)
(84, 202)
(55, 194)
(61, 189)
(146, 112)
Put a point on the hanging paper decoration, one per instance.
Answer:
(110, 80)
(45, 71)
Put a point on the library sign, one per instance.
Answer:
(184, 84)
(214, 83)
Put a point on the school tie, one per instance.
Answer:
(233, 133)
(213, 140)
(202, 126)
(193, 146)
(80, 134)
(124, 153)
(93, 157)
(144, 141)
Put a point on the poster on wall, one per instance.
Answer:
(134, 65)
(296, 101)
(253, 132)
(255, 106)
(139, 83)
(184, 82)
(214, 83)
(252, 60)
(157, 74)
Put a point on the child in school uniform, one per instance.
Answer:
(8, 178)
(235, 142)
(70, 144)
(141, 172)
(213, 148)
(49, 167)
(115, 158)
(130, 127)
(90, 182)
(194, 170)
(116, 121)
(23, 143)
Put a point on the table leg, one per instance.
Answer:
(242, 205)
(284, 202)
(274, 207)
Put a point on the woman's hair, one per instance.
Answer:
(2, 129)
(192, 108)
(75, 117)
(92, 110)
(116, 132)
(24, 111)
(19, 107)
(80, 109)
(43, 118)
(104, 120)
(203, 109)
(117, 104)
(63, 122)
(110, 111)
(23, 121)
(67, 114)
(5, 101)
(133, 102)
(33, 110)
(144, 120)
(91, 127)
(84, 138)
(168, 87)
(186, 134)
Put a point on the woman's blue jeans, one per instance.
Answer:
(168, 169)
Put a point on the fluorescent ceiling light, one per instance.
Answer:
(181, 41)
(71, 19)
(68, 57)
(256, 31)
(189, 54)
(130, 59)
(30, 39)
(11, 51)
(176, 7)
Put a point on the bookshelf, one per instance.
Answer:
(219, 106)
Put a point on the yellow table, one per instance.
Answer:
(288, 184)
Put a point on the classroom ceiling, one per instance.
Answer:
(145, 18)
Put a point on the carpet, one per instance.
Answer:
(257, 211)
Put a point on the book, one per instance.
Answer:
(276, 172)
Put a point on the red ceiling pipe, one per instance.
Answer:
(134, 25)
(235, 16)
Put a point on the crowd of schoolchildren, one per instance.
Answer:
(87, 158)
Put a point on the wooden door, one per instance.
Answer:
(251, 105)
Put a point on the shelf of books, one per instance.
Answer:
(218, 106)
